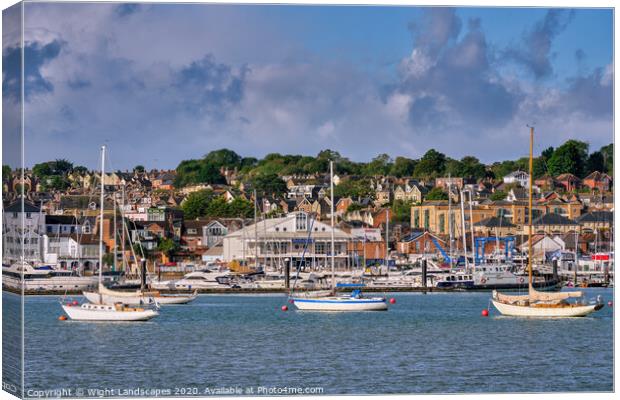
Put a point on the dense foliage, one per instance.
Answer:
(204, 203)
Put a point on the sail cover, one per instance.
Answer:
(536, 296)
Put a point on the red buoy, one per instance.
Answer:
(74, 302)
(610, 303)
(284, 308)
(291, 301)
(485, 313)
(62, 318)
(392, 301)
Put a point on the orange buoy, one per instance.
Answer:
(284, 308)
(62, 318)
(485, 313)
(392, 301)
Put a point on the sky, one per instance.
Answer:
(160, 83)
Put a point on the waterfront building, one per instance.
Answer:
(23, 229)
(276, 241)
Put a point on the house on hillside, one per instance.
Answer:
(598, 181)
(520, 177)
(569, 182)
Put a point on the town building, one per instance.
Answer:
(275, 242)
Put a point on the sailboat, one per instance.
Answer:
(141, 296)
(535, 303)
(106, 312)
(355, 301)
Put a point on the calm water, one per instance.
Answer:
(434, 343)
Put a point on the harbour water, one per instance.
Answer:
(433, 343)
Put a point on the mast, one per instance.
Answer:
(101, 222)
(123, 225)
(471, 228)
(450, 217)
(387, 235)
(331, 187)
(530, 213)
(255, 233)
(576, 255)
(464, 232)
(115, 229)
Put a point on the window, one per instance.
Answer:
(416, 218)
(426, 219)
(301, 221)
(442, 223)
(28, 215)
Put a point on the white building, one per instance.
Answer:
(282, 240)
(23, 229)
(520, 177)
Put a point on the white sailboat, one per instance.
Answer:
(535, 303)
(137, 297)
(353, 302)
(106, 312)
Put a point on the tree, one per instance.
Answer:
(43, 169)
(269, 184)
(432, 163)
(168, 247)
(596, 162)
(354, 207)
(62, 167)
(436, 193)
(108, 259)
(570, 158)
(196, 203)
(403, 166)
(138, 168)
(379, 165)
(354, 188)
(223, 158)
(547, 153)
(608, 157)
(401, 211)
(240, 208)
(197, 171)
(471, 167)
(498, 195)
(6, 173)
(80, 169)
(217, 208)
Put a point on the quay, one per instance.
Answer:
(236, 291)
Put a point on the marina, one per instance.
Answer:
(307, 200)
(246, 341)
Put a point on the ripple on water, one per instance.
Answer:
(435, 343)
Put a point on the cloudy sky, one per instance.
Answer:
(161, 83)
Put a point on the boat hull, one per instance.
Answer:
(340, 304)
(135, 300)
(81, 314)
(545, 312)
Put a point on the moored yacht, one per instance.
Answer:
(44, 277)
(101, 311)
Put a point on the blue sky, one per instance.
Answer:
(162, 83)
